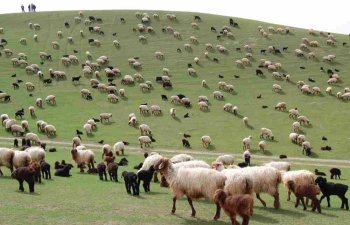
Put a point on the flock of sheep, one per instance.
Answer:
(228, 185)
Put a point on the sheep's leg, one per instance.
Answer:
(21, 188)
(193, 214)
(245, 220)
(297, 202)
(31, 182)
(218, 209)
(289, 192)
(322, 197)
(329, 201)
(105, 174)
(49, 174)
(174, 205)
(233, 220)
(303, 202)
(145, 187)
(276, 203)
(127, 188)
(346, 203)
(262, 201)
(155, 177)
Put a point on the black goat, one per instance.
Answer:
(212, 29)
(186, 143)
(130, 180)
(76, 78)
(284, 49)
(15, 143)
(66, 24)
(319, 173)
(78, 132)
(216, 60)
(123, 162)
(146, 177)
(15, 85)
(187, 136)
(329, 188)
(122, 20)
(164, 98)
(96, 120)
(186, 115)
(283, 156)
(45, 170)
(311, 80)
(326, 148)
(335, 172)
(181, 96)
(262, 51)
(197, 18)
(231, 21)
(47, 81)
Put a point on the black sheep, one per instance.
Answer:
(24, 174)
(329, 188)
(259, 72)
(64, 172)
(15, 143)
(335, 172)
(146, 177)
(123, 162)
(45, 170)
(130, 179)
(101, 169)
(326, 148)
(164, 98)
(139, 166)
(283, 156)
(186, 143)
(113, 171)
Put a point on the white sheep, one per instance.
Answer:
(303, 120)
(88, 128)
(33, 138)
(276, 88)
(50, 130)
(228, 107)
(119, 147)
(181, 158)
(145, 141)
(296, 127)
(143, 109)
(300, 139)
(15, 128)
(82, 157)
(262, 146)
(6, 158)
(105, 116)
(206, 141)
(76, 142)
(21, 159)
(245, 121)
(51, 99)
(281, 166)
(218, 95)
(225, 159)
(281, 106)
(203, 106)
(145, 129)
(266, 133)
(192, 182)
(329, 90)
(246, 142)
(293, 113)
(112, 98)
(36, 153)
(173, 112)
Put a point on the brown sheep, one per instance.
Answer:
(305, 190)
(236, 204)
(25, 174)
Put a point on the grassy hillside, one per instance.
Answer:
(82, 199)
(327, 114)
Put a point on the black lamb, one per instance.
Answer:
(329, 188)
(130, 179)
(146, 177)
(45, 169)
(101, 169)
(335, 172)
(64, 172)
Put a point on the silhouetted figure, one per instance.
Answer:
(29, 8)
(24, 142)
(22, 7)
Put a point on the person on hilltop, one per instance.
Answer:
(22, 7)
(29, 8)
(33, 7)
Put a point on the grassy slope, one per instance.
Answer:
(82, 199)
(326, 113)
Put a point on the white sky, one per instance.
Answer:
(326, 15)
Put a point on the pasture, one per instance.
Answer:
(82, 198)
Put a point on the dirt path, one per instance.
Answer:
(203, 154)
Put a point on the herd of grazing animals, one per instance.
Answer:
(229, 186)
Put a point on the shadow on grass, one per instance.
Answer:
(250, 127)
(285, 212)
(264, 219)
(211, 147)
(194, 221)
(267, 152)
(177, 119)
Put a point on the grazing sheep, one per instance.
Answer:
(305, 190)
(181, 158)
(241, 205)
(112, 169)
(145, 141)
(206, 141)
(300, 177)
(51, 99)
(50, 130)
(119, 147)
(245, 121)
(276, 88)
(173, 112)
(82, 157)
(105, 116)
(218, 95)
(143, 109)
(146, 177)
(203, 106)
(262, 146)
(246, 142)
(266, 133)
(281, 106)
(21, 159)
(33, 138)
(36, 153)
(192, 182)
(293, 113)
(303, 120)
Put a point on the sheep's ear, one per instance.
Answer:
(161, 165)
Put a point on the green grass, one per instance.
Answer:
(82, 199)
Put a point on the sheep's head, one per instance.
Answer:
(219, 196)
(320, 181)
(162, 164)
(217, 166)
(126, 143)
(74, 153)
